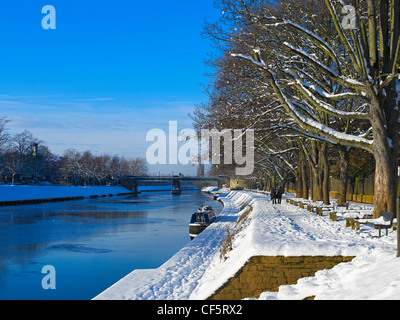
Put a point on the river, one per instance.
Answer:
(91, 243)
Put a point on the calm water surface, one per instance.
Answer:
(91, 243)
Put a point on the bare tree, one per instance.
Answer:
(322, 73)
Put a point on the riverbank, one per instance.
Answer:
(198, 270)
(178, 277)
(32, 194)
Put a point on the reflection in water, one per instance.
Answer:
(91, 243)
(103, 214)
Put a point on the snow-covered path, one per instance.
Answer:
(303, 233)
(197, 270)
(286, 230)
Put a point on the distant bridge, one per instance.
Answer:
(131, 182)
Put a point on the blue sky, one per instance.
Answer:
(111, 71)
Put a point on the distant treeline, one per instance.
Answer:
(26, 159)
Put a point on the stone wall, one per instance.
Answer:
(261, 274)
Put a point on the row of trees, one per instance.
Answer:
(319, 85)
(86, 168)
(25, 157)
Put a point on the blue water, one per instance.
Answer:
(91, 243)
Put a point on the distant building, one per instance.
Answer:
(200, 170)
(238, 184)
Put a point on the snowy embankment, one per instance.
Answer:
(197, 270)
(31, 192)
(178, 277)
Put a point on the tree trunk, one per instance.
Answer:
(317, 185)
(299, 184)
(386, 156)
(385, 191)
(300, 178)
(284, 181)
(304, 183)
(385, 114)
(344, 158)
(316, 172)
(325, 173)
(312, 179)
(325, 184)
(303, 169)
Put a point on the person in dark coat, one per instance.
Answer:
(279, 194)
(273, 195)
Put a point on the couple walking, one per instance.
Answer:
(276, 195)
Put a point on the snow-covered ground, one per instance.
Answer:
(178, 277)
(29, 192)
(209, 189)
(197, 270)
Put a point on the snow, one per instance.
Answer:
(354, 214)
(308, 32)
(209, 189)
(324, 105)
(29, 192)
(379, 221)
(178, 277)
(325, 129)
(371, 275)
(197, 270)
(312, 58)
(320, 127)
